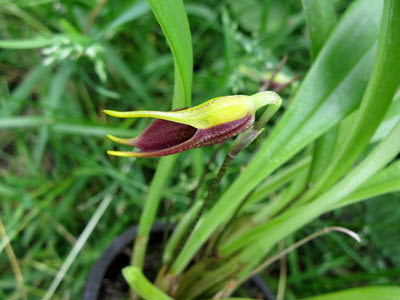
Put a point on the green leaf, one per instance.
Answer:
(278, 180)
(376, 101)
(329, 92)
(383, 182)
(320, 19)
(172, 18)
(323, 153)
(142, 285)
(29, 44)
(390, 120)
(363, 293)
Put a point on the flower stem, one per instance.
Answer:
(222, 171)
(203, 175)
(169, 208)
(214, 243)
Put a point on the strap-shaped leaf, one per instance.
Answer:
(171, 16)
(376, 101)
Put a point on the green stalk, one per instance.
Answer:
(29, 43)
(142, 286)
(203, 175)
(221, 173)
(150, 209)
(180, 230)
(171, 16)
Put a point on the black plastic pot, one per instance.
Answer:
(116, 256)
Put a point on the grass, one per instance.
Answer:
(61, 193)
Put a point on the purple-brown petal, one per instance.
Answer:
(162, 134)
(163, 138)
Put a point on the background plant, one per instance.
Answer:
(53, 165)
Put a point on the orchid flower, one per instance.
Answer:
(210, 123)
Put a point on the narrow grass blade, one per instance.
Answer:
(23, 122)
(80, 243)
(51, 103)
(136, 10)
(131, 79)
(29, 44)
(24, 89)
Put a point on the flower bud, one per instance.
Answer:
(210, 123)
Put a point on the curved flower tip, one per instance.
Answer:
(210, 123)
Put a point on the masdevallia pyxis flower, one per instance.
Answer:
(210, 123)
